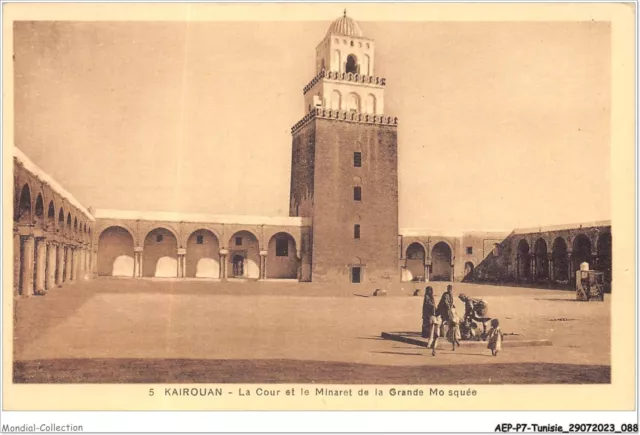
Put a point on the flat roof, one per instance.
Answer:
(202, 218)
(46, 178)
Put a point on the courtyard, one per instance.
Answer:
(112, 330)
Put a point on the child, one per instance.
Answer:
(495, 337)
(453, 334)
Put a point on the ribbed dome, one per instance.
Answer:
(345, 26)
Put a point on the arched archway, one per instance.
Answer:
(370, 106)
(336, 100)
(581, 253)
(524, 263)
(68, 222)
(560, 260)
(353, 102)
(160, 255)
(115, 252)
(203, 255)
(336, 61)
(541, 259)
(39, 210)
(282, 258)
(51, 215)
(244, 244)
(415, 261)
(23, 214)
(61, 220)
(604, 255)
(352, 64)
(441, 262)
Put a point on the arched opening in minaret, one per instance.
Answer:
(336, 61)
(371, 104)
(336, 100)
(366, 65)
(352, 64)
(322, 65)
(353, 102)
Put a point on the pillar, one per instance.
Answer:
(137, 261)
(263, 265)
(94, 258)
(551, 277)
(28, 253)
(182, 262)
(570, 273)
(16, 261)
(40, 264)
(68, 263)
(59, 264)
(223, 263)
(427, 270)
(50, 278)
(74, 264)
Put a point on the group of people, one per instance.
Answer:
(443, 320)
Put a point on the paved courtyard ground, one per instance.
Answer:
(123, 330)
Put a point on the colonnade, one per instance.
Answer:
(549, 274)
(44, 261)
(181, 255)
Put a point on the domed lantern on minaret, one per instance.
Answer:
(345, 77)
(344, 169)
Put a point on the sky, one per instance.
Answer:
(501, 125)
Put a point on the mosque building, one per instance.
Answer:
(343, 224)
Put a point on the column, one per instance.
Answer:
(299, 258)
(94, 258)
(80, 262)
(40, 264)
(182, 253)
(74, 264)
(16, 261)
(223, 263)
(59, 264)
(137, 261)
(427, 269)
(68, 263)
(570, 272)
(532, 267)
(26, 287)
(263, 265)
(50, 278)
(551, 277)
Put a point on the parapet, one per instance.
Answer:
(349, 77)
(344, 115)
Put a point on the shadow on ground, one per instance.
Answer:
(75, 371)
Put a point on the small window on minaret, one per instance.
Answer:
(238, 241)
(352, 43)
(200, 240)
(357, 159)
(352, 64)
(356, 231)
(357, 193)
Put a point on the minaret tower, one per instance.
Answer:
(344, 171)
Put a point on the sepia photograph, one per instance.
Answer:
(326, 201)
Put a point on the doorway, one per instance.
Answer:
(238, 266)
(356, 274)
